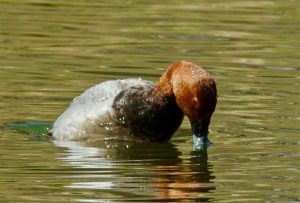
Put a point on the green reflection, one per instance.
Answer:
(31, 127)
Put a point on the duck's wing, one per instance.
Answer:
(91, 106)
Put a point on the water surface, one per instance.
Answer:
(50, 51)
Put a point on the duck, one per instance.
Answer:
(141, 110)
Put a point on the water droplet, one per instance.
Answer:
(122, 120)
(108, 127)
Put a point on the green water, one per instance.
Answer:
(51, 51)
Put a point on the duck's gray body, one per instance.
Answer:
(92, 110)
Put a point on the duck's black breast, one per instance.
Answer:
(149, 116)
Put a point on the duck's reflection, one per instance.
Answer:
(145, 170)
(187, 180)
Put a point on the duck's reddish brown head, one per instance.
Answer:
(195, 93)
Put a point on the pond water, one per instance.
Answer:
(51, 51)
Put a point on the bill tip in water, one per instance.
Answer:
(201, 142)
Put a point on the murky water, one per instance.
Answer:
(50, 51)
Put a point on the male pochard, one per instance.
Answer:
(139, 109)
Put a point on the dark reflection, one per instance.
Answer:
(159, 167)
(199, 162)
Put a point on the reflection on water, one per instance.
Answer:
(148, 170)
(51, 51)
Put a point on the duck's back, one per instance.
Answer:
(92, 108)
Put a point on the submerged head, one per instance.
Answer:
(196, 95)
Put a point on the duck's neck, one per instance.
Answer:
(164, 85)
